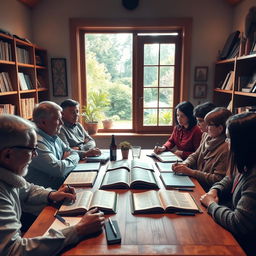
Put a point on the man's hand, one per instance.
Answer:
(182, 168)
(64, 192)
(92, 152)
(66, 154)
(210, 197)
(159, 150)
(90, 223)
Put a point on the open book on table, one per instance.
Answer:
(136, 178)
(163, 201)
(129, 165)
(83, 167)
(172, 180)
(81, 179)
(166, 157)
(105, 201)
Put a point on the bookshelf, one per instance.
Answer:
(244, 76)
(24, 77)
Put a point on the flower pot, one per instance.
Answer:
(107, 124)
(125, 153)
(91, 127)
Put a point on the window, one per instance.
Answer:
(141, 70)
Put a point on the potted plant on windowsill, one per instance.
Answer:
(97, 104)
(125, 147)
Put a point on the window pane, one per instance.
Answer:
(165, 117)
(166, 76)
(167, 54)
(151, 97)
(166, 97)
(150, 117)
(150, 76)
(151, 53)
(109, 73)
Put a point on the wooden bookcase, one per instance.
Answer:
(244, 66)
(21, 59)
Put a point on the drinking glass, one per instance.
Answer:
(136, 151)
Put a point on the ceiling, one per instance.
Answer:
(33, 3)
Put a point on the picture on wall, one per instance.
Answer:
(59, 77)
(201, 74)
(200, 91)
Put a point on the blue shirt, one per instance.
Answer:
(48, 169)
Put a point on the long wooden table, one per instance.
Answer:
(152, 234)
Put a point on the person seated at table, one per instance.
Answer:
(200, 112)
(186, 135)
(55, 160)
(209, 163)
(73, 133)
(18, 146)
(238, 187)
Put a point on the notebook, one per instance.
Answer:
(172, 180)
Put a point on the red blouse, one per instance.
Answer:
(185, 140)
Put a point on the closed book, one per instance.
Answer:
(81, 179)
(164, 167)
(82, 167)
(113, 235)
(172, 180)
(167, 157)
(103, 158)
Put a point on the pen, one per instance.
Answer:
(186, 213)
(69, 201)
(57, 216)
(112, 226)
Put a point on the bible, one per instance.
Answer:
(81, 179)
(129, 165)
(82, 167)
(105, 201)
(123, 179)
(172, 180)
(163, 201)
(166, 157)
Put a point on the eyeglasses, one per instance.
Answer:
(32, 149)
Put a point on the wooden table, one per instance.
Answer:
(152, 234)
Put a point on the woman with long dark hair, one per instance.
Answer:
(238, 188)
(186, 135)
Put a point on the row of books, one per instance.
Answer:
(247, 83)
(5, 51)
(5, 82)
(25, 82)
(23, 55)
(228, 82)
(245, 109)
(7, 109)
(27, 107)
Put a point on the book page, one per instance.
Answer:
(58, 225)
(104, 200)
(146, 200)
(81, 178)
(119, 164)
(138, 174)
(83, 200)
(115, 177)
(176, 199)
(164, 167)
(141, 164)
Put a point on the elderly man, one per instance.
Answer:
(55, 159)
(18, 146)
(73, 133)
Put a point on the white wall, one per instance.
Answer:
(15, 17)
(212, 22)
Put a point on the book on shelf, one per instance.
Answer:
(22, 81)
(229, 106)
(5, 51)
(239, 110)
(166, 157)
(5, 82)
(164, 167)
(230, 82)
(7, 109)
(137, 178)
(105, 201)
(83, 167)
(27, 107)
(103, 158)
(23, 55)
(81, 179)
(172, 180)
(169, 201)
(251, 85)
(242, 82)
(129, 165)
(28, 82)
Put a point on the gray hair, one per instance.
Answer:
(44, 110)
(14, 131)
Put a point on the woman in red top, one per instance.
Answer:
(186, 135)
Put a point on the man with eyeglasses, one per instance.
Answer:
(17, 149)
(55, 159)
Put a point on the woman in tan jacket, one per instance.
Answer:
(209, 163)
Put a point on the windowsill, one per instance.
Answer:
(129, 134)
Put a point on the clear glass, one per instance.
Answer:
(136, 150)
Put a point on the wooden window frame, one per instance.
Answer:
(79, 26)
